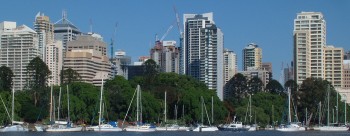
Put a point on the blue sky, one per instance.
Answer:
(268, 23)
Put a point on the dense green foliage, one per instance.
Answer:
(6, 76)
(69, 76)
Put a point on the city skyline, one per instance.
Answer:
(268, 24)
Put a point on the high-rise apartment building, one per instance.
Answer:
(230, 68)
(166, 55)
(202, 51)
(252, 57)
(333, 58)
(18, 46)
(251, 72)
(230, 65)
(311, 55)
(44, 29)
(346, 74)
(309, 43)
(54, 61)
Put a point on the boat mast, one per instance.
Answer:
(202, 108)
(137, 105)
(319, 114)
(345, 110)
(51, 104)
(165, 107)
(328, 105)
(13, 104)
(68, 103)
(59, 104)
(250, 108)
(289, 116)
(99, 116)
(212, 109)
(337, 108)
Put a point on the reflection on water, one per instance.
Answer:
(219, 133)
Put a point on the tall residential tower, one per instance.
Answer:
(202, 51)
(252, 57)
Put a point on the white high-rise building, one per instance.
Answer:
(333, 58)
(230, 68)
(19, 45)
(309, 43)
(54, 61)
(230, 64)
(202, 51)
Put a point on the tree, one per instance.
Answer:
(255, 85)
(69, 75)
(6, 76)
(150, 73)
(237, 88)
(274, 87)
(311, 92)
(38, 74)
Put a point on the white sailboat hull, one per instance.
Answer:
(105, 128)
(135, 129)
(332, 128)
(75, 129)
(205, 129)
(14, 128)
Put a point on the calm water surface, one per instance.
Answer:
(219, 133)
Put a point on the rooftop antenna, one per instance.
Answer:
(90, 25)
(64, 16)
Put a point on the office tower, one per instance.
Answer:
(202, 51)
(92, 66)
(19, 45)
(65, 31)
(90, 52)
(288, 73)
(88, 42)
(309, 43)
(252, 57)
(230, 68)
(252, 72)
(333, 60)
(44, 29)
(166, 55)
(347, 55)
(143, 59)
(54, 61)
(120, 62)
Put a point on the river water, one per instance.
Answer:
(218, 133)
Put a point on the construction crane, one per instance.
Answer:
(166, 33)
(178, 21)
(113, 40)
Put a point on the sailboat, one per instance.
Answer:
(103, 127)
(62, 126)
(336, 126)
(252, 127)
(15, 126)
(140, 127)
(202, 127)
(291, 126)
